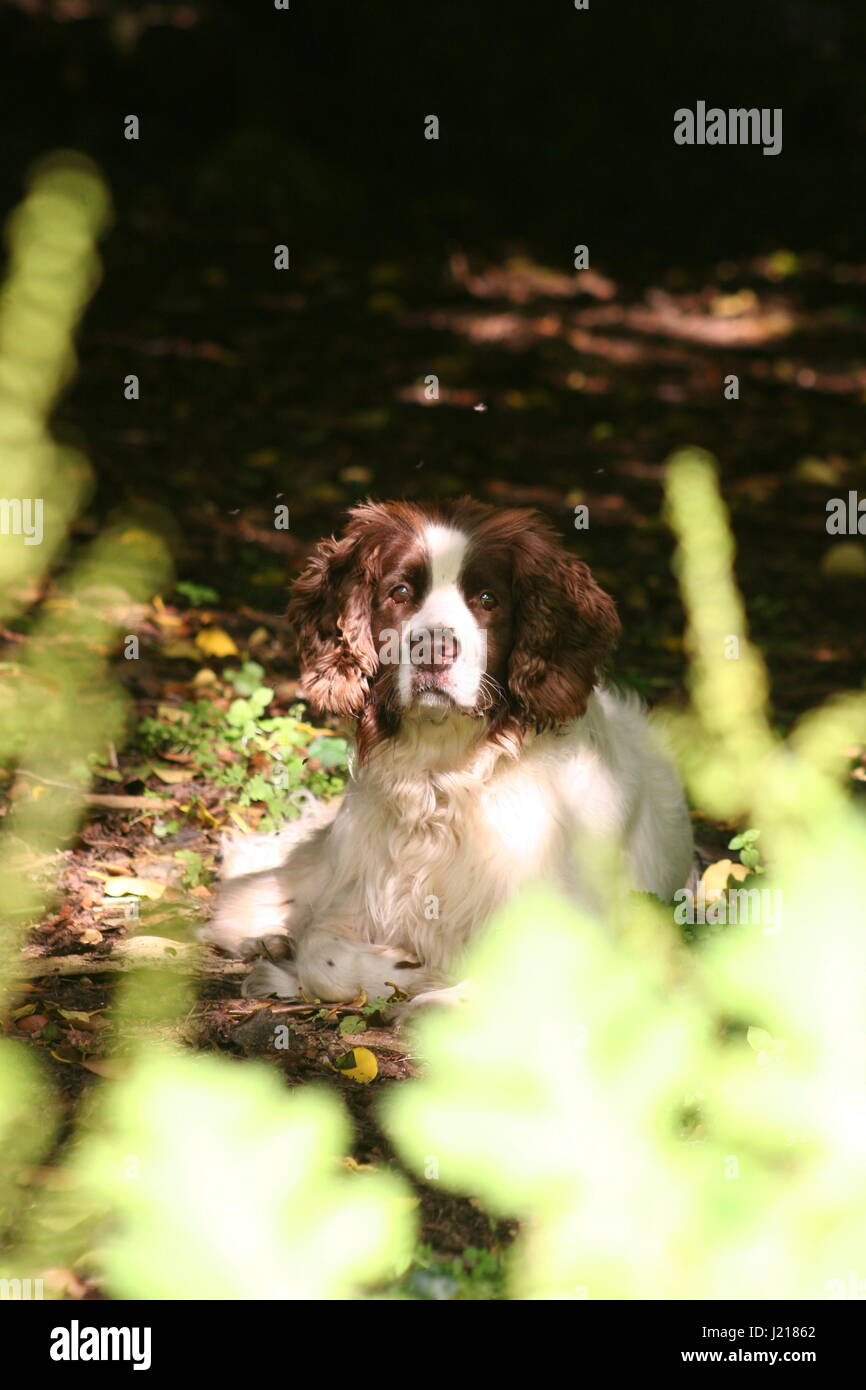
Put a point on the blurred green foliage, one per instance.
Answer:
(228, 1188)
(665, 1121)
(58, 700)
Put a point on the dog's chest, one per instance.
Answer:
(442, 853)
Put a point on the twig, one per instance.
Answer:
(126, 803)
(129, 954)
(108, 799)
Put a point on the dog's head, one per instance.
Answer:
(417, 612)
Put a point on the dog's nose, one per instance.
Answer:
(433, 648)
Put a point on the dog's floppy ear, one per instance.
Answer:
(330, 610)
(566, 628)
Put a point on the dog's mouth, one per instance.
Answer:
(432, 692)
(434, 699)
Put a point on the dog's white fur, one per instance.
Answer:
(439, 829)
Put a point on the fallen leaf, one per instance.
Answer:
(22, 1012)
(77, 1016)
(173, 774)
(33, 1023)
(845, 560)
(360, 1064)
(715, 877)
(214, 642)
(134, 887)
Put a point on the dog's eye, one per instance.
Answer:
(401, 593)
(487, 599)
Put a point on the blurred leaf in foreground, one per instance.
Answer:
(226, 1187)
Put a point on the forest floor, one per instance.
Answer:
(306, 389)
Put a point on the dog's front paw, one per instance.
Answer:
(267, 979)
(250, 910)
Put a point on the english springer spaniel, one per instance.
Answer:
(466, 645)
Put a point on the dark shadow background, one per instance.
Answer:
(553, 120)
(261, 127)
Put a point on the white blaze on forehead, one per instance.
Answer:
(443, 605)
(446, 548)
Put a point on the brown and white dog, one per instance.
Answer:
(466, 644)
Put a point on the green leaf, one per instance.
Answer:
(247, 679)
(223, 1186)
(352, 1023)
(196, 593)
(331, 752)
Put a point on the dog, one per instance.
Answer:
(467, 646)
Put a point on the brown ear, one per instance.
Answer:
(566, 628)
(330, 611)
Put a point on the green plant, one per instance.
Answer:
(272, 761)
(750, 855)
(193, 867)
(196, 594)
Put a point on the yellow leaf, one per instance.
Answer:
(134, 887)
(173, 774)
(715, 877)
(366, 1067)
(214, 642)
(846, 559)
(164, 617)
